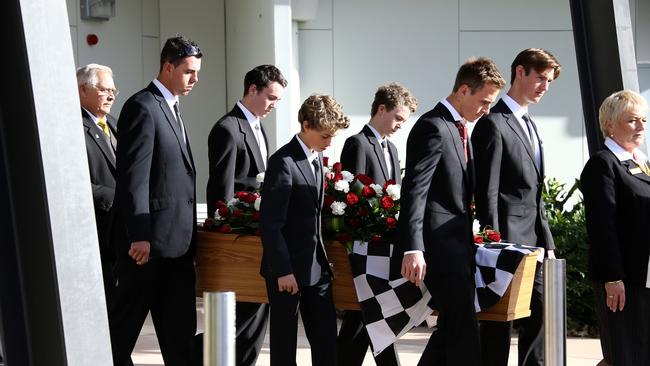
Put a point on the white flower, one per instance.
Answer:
(378, 189)
(338, 208)
(476, 226)
(397, 216)
(342, 185)
(260, 178)
(347, 176)
(393, 191)
(325, 170)
(233, 202)
(257, 203)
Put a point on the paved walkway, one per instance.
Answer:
(580, 351)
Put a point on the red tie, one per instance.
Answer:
(462, 130)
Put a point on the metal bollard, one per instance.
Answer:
(219, 337)
(554, 312)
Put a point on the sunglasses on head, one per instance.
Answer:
(188, 51)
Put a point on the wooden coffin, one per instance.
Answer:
(228, 262)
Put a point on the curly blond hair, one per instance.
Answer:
(323, 113)
(393, 95)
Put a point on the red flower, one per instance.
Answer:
(256, 216)
(375, 238)
(337, 167)
(221, 204)
(366, 180)
(223, 211)
(387, 202)
(351, 199)
(478, 239)
(237, 213)
(329, 175)
(368, 192)
(208, 223)
(363, 212)
(391, 222)
(328, 202)
(493, 235)
(344, 237)
(338, 177)
(388, 183)
(225, 229)
(354, 223)
(326, 161)
(246, 197)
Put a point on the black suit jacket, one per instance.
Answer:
(436, 191)
(290, 216)
(362, 153)
(101, 162)
(155, 176)
(617, 208)
(234, 157)
(508, 182)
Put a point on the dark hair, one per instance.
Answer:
(262, 76)
(176, 49)
(322, 113)
(476, 72)
(393, 95)
(535, 58)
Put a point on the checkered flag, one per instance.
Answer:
(391, 305)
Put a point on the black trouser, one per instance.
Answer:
(164, 286)
(353, 343)
(456, 341)
(251, 329)
(495, 336)
(600, 306)
(316, 306)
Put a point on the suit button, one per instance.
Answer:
(190, 201)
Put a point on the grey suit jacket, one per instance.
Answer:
(508, 182)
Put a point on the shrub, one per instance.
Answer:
(570, 235)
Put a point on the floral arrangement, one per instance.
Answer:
(355, 208)
(487, 235)
(240, 215)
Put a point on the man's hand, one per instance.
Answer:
(414, 267)
(288, 283)
(550, 254)
(140, 252)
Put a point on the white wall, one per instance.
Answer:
(352, 47)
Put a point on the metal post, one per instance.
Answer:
(554, 312)
(219, 338)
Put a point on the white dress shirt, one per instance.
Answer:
(519, 111)
(387, 159)
(171, 99)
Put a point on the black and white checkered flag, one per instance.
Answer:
(391, 305)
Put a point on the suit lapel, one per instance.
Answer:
(97, 136)
(513, 123)
(455, 137)
(629, 165)
(171, 119)
(379, 152)
(305, 169)
(249, 138)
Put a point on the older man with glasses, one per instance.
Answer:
(96, 95)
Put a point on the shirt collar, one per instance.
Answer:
(454, 113)
(621, 154)
(92, 116)
(170, 98)
(250, 117)
(376, 133)
(311, 155)
(516, 109)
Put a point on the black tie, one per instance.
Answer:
(317, 175)
(179, 121)
(526, 119)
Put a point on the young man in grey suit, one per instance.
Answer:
(370, 152)
(294, 261)
(435, 224)
(156, 193)
(96, 95)
(510, 177)
(237, 152)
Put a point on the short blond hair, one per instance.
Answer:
(393, 95)
(323, 113)
(618, 103)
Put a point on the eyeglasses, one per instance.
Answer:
(107, 91)
(191, 50)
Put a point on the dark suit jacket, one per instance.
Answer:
(290, 216)
(155, 176)
(617, 207)
(508, 183)
(362, 153)
(234, 157)
(101, 162)
(436, 191)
